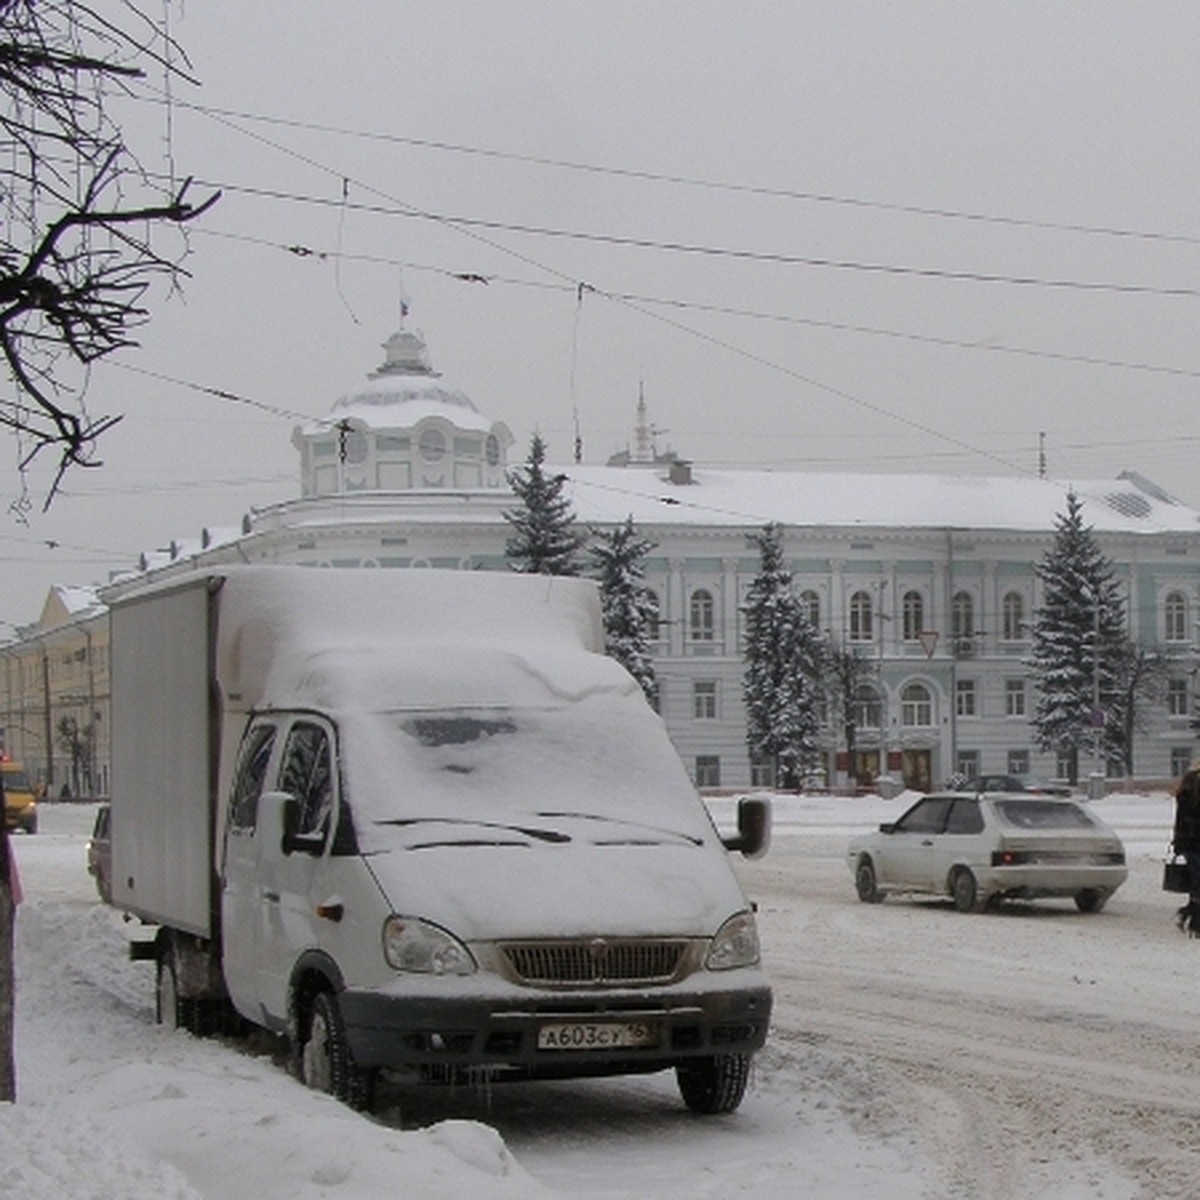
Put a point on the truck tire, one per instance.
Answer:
(713, 1085)
(326, 1063)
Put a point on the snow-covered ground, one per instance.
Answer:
(915, 1052)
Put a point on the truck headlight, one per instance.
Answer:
(735, 944)
(410, 944)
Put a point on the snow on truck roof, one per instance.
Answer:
(383, 640)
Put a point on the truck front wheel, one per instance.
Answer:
(713, 1085)
(326, 1063)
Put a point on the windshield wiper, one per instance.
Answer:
(601, 819)
(541, 835)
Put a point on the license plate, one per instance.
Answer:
(597, 1035)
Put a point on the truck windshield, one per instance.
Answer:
(595, 770)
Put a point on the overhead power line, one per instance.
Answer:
(814, 197)
(770, 257)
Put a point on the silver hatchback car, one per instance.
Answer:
(981, 849)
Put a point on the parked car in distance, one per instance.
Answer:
(20, 797)
(1016, 783)
(980, 849)
(99, 853)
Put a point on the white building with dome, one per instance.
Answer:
(930, 576)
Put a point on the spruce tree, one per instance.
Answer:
(1078, 642)
(781, 655)
(628, 605)
(544, 541)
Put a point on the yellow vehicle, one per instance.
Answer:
(20, 797)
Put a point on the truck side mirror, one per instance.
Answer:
(278, 816)
(753, 837)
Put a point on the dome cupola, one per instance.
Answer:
(402, 430)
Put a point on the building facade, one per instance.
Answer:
(929, 577)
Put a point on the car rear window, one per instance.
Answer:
(1043, 814)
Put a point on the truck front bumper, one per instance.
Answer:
(549, 1034)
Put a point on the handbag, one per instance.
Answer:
(1176, 876)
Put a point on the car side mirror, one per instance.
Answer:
(888, 827)
(753, 837)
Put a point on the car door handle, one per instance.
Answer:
(272, 897)
(927, 842)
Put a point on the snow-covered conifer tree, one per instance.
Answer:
(629, 606)
(781, 655)
(1079, 630)
(545, 540)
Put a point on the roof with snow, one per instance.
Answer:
(405, 390)
(1127, 504)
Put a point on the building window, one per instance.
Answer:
(432, 444)
(762, 771)
(1181, 759)
(1062, 765)
(962, 616)
(1175, 617)
(810, 605)
(916, 706)
(704, 699)
(862, 618)
(1012, 616)
(1177, 698)
(965, 698)
(1014, 697)
(866, 708)
(700, 614)
(968, 764)
(708, 771)
(913, 619)
(1018, 762)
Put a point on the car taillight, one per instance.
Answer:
(1010, 858)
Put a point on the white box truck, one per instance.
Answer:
(417, 822)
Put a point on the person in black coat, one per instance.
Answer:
(1186, 841)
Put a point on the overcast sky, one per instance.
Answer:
(823, 236)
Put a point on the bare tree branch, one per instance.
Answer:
(76, 255)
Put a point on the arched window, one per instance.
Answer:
(862, 618)
(1175, 617)
(700, 616)
(810, 605)
(914, 615)
(1012, 615)
(962, 615)
(916, 705)
(867, 709)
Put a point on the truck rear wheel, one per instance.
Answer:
(326, 1063)
(713, 1085)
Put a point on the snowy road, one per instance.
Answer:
(1030, 1052)
(916, 1052)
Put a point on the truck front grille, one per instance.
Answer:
(596, 961)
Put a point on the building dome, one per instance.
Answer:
(404, 429)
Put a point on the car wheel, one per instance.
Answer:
(1090, 900)
(326, 1063)
(865, 882)
(965, 891)
(713, 1085)
(31, 824)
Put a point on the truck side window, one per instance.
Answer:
(251, 774)
(307, 774)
